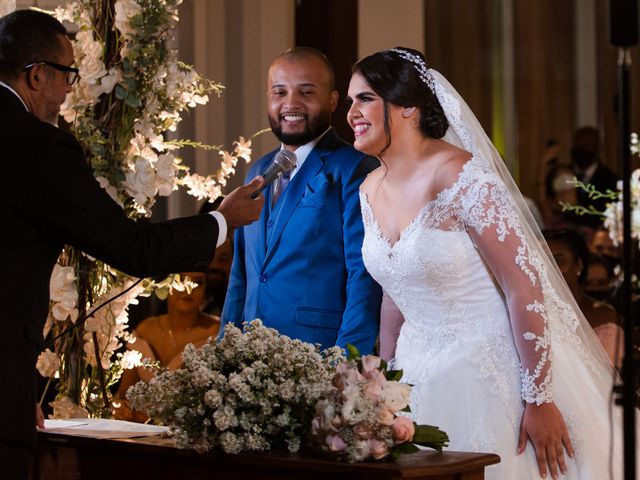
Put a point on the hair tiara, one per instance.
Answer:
(419, 64)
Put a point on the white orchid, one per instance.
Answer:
(242, 148)
(166, 168)
(131, 359)
(125, 11)
(128, 96)
(201, 187)
(65, 408)
(109, 324)
(48, 363)
(141, 182)
(63, 292)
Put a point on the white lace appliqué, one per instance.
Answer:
(485, 206)
(488, 245)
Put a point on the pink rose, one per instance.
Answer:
(370, 363)
(403, 429)
(384, 415)
(336, 422)
(378, 449)
(346, 375)
(342, 368)
(335, 443)
(363, 431)
(375, 385)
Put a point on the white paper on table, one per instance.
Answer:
(54, 423)
(102, 428)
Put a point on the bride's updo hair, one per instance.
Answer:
(396, 77)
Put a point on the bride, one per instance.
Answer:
(497, 350)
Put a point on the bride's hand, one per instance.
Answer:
(548, 433)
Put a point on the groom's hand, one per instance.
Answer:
(238, 209)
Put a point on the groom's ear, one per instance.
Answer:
(334, 100)
(408, 111)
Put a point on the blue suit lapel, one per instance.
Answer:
(290, 198)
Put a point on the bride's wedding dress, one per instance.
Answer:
(489, 323)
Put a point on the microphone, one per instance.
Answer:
(284, 161)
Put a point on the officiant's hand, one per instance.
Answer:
(238, 209)
(39, 416)
(548, 433)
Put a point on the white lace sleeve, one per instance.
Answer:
(485, 207)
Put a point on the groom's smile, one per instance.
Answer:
(300, 100)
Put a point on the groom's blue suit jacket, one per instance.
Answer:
(299, 268)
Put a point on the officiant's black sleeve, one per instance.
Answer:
(76, 210)
(49, 198)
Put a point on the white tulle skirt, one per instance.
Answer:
(482, 413)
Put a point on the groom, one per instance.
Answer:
(299, 268)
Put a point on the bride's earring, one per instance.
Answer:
(408, 112)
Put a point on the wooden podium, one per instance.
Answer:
(69, 457)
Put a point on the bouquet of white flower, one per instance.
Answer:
(253, 391)
(359, 419)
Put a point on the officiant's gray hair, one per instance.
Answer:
(28, 36)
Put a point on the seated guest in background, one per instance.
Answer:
(572, 256)
(588, 168)
(558, 189)
(218, 274)
(164, 337)
(601, 244)
(219, 269)
(600, 282)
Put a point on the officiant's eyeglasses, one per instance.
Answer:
(72, 72)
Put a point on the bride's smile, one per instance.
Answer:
(366, 117)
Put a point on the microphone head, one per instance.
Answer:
(286, 160)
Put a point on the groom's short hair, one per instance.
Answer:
(301, 53)
(28, 36)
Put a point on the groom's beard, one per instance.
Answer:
(314, 127)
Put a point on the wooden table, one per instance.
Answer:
(68, 457)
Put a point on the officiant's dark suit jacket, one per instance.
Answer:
(299, 268)
(49, 198)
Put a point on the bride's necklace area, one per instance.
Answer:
(403, 201)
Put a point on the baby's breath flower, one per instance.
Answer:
(252, 391)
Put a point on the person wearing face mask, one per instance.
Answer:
(586, 164)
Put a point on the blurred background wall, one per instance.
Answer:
(532, 70)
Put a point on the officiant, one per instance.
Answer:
(50, 198)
